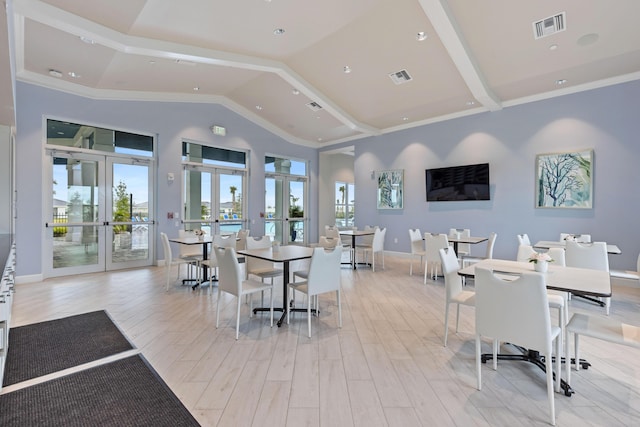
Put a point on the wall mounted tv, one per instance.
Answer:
(455, 183)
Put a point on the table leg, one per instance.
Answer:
(534, 357)
(353, 249)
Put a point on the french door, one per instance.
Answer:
(285, 212)
(100, 215)
(214, 199)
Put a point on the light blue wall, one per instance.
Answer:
(171, 122)
(606, 120)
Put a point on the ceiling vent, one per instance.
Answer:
(400, 77)
(550, 25)
(314, 106)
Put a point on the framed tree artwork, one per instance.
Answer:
(390, 189)
(564, 180)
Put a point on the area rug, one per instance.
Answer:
(47, 347)
(127, 392)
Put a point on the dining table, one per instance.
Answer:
(205, 241)
(585, 281)
(354, 234)
(281, 254)
(466, 240)
(548, 244)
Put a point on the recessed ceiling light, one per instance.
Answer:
(320, 139)
(55, 73)
(347, 69)
(196, 88)
(258, 107)
(295, 92)
(421, 36)
(404, 119)
(152, 62)
(470, 103)
(278, 31)
(87, 40)
(560, 82)
(553, 47)
(74, 75)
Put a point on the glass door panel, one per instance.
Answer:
(285, 219)
(199, 213)
(230, 202)
(130, 218)
(76, 224)
(297, 219)
(274, 200)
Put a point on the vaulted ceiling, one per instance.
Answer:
(283, 63)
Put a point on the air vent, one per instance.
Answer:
(314, 106)
(400, 77)
(550, 25)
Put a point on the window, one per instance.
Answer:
(345, 204)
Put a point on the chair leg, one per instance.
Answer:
(478, 363)
(495, 355)
(411, 267)
(550, 392)
(218, 309)
(576, 351)
(271, 302)
(339, 309)
(239, 302)
(446, 323)
(309, 316)
(457, 316)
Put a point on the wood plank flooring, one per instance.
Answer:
(385, 367)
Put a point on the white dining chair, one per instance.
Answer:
(517, 312)
(169, 261)
(230, 281)
(324, 276)
(463, 248)
(523, 239)
(376, 247)
(191, 254)
(468, 260)
(433, 242)
(220, 241)
(453, 288)
(259, 267)
(417, 248)
(333, 231)
(580, 238)
(325, 242)
(589, 255)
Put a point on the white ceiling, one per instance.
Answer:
(476, 51)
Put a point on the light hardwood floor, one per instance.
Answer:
(385, 367)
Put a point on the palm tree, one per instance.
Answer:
(233, 190)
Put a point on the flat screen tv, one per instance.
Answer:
(456, 183)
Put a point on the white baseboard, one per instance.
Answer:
(629, 283)
(33, 278)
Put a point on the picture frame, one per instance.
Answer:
(390, 193)
(564, 180)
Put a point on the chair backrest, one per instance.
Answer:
(587, 255)
(433, 243)
(523, 239)
(229, 278)
(463, 232)
(241, 242)
(558, 256)
(450, 267)
(368, 240)
(324, 270)
(580, 238)
(378, 240)
(417, 244)
(331, 231)
(490, 244)
(189, 250)
(513, 311)
(329, 242)
(256, 264)
(166, 246)
(225, 240)
(524, 252)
